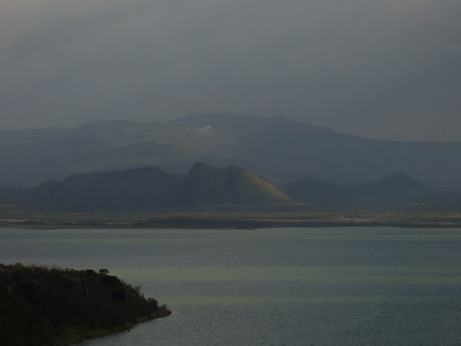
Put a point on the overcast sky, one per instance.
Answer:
(381, 69)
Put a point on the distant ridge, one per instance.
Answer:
(133, 188)
(277, 148)
(394, 187)
(144, 188)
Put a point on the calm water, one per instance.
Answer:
(322, 286)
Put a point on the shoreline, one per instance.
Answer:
(96, 334)
(224, 223)
(404, 215)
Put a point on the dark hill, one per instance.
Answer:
(52, 306)
(152, 188)
(133, 189)
(395, 187)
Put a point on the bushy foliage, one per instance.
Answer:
(40, 305)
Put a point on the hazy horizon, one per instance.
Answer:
(383, 70)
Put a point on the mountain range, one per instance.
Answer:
(152, 188)
(396, 187)
(276, 148)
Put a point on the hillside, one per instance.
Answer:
(53, 306)
(133, 188)
(152, 188)
(396, 187)
(276, 148)
(228, 185)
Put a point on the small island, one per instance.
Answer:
(42, 305)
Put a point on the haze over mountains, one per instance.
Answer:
(278, 149)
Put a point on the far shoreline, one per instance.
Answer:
(199, 221)
(403, 215)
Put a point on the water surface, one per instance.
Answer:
(301, 286)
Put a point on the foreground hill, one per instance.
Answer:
(395, 187)
(51, 306)
(276, 148)
(152, 188)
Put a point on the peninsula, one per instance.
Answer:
(40, 305)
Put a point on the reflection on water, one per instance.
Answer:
(323, 286)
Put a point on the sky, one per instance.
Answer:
(379, 69)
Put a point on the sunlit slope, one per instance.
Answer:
(205, 184)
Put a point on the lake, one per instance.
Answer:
(283, 286)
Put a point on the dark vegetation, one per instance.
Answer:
(52, 306)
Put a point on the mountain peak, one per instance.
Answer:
(200, 166)
(232, 184)
(396, 186)
(399, 180)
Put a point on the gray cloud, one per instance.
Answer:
(383, 69)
